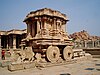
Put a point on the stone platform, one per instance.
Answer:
(14, 67)
(39, 65)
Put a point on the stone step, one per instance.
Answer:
(15, 67)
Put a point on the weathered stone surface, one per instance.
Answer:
(21, 66)
(5, 63)
(78, 52)
(88, 56)
(29, 65)
(45, 11)
(46, 36)
(83, 35)
(38, 57)
(14, 67)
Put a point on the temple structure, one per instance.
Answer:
(45, 40)
(11, 39)
(45, 27)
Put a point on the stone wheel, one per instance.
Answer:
(52, 53)
(67, 53)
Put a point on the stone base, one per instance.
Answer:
(15, 67)
(4, 63)
(27, 65)
(88, 56)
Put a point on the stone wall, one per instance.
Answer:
(84, 39)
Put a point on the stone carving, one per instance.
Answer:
(27, 54)
(22, 56)
(46, 39)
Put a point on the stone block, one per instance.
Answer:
(5, 63)
(14, 67)
(29, 65)
(88, 56)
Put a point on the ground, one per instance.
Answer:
(88, 67)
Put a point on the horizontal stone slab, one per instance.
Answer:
(15, 67)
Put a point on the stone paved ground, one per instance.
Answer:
(81, 68)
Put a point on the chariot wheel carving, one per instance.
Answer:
(52, 53)
(67, 53)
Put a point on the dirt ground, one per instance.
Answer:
(88, 67)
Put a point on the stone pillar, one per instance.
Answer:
(38, 26)
(42, 24)
(58, 26)
(7, 42)
(85, 44)
(98, 44)
(63, 27)
(54, 25)
(28, 28)
(45, 24)
(92, 44)
(14, 41)
(32, 30)
(82, 43)
(0, 47)
(10, 41)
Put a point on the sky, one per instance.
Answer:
(83, 14)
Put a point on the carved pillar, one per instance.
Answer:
(0, 42)
(32, 27)
(42, 24)
(54, 25)
(10, 41)
(98, 43)
(38, 26)
(85, 44)
(28, 28)
(58, 24)
(0, 47)
(92, 44)
(64, 26)
(45, 24)
(14, 41)
(7, 38)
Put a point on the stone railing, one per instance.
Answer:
(87, 44)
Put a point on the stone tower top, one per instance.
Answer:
(47, 12)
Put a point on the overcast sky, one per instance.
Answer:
(83, 14)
